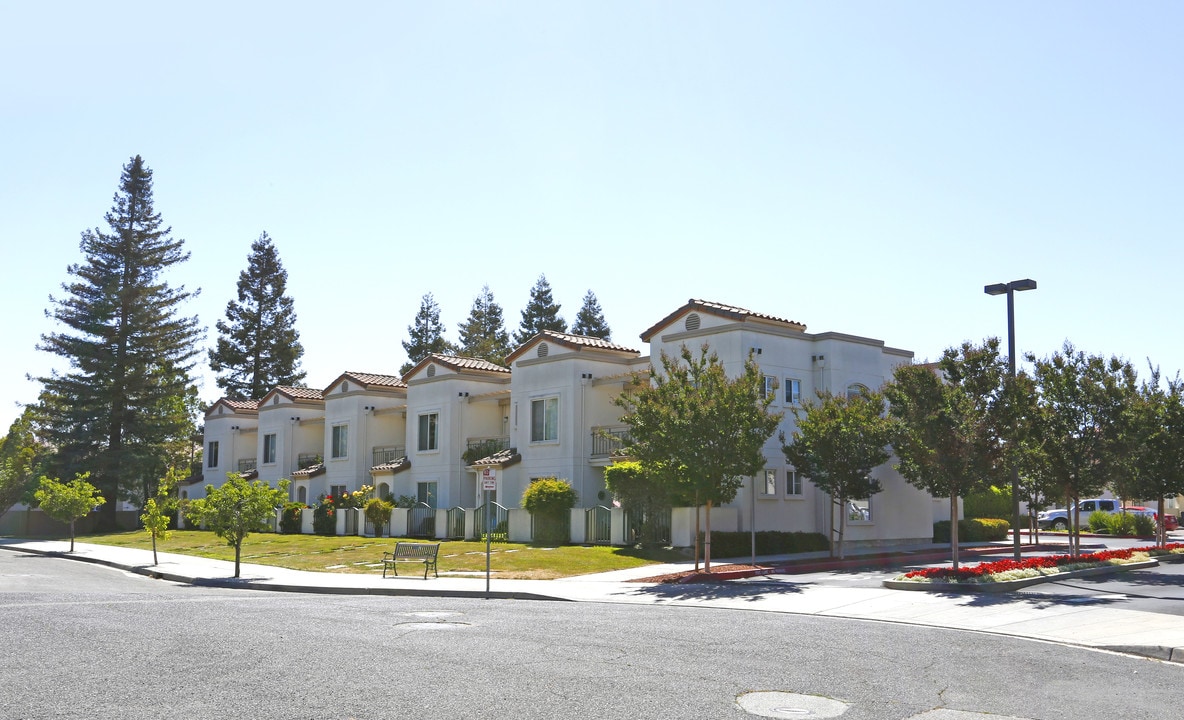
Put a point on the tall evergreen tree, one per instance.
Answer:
(425, 335)
(483, 334)
(121, 407)
(541, 313)
(590, 319)
(258, 346)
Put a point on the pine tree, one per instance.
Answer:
(425, 335)
(541, 313)
(122, 406)
(258, 346)
(483, 335)
(590, 319)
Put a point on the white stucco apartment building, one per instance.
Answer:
(551, 414)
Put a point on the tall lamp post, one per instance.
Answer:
(1010, 289)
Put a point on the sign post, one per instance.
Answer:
(488, 484)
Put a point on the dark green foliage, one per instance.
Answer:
(324, 519)
(768, 542)
(378, 512)
(541, 313)
(22, 461)
(991, 502)
(290, 518)
(483, 334)
(642, 494)
(972, 530)
(425, 335)
(126, 405)
(590, 319)
(258, 347)
(549, 501)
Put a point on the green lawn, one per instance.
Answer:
(363, 555)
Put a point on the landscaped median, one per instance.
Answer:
(1004, 575)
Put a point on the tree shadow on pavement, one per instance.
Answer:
(750, 591)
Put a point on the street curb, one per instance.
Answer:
(247, 584)
(1008, 585)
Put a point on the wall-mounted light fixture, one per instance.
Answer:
(585, 376)
(819, 360)
(754, 351)
(234, 427)
(462, 394)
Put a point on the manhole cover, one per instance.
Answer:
(773, 704)
(431, 625)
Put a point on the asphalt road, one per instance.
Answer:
(84, 641)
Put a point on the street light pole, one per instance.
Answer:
(1010, 289)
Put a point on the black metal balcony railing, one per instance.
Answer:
(307, 460)
(481, 447)
(247, 465)
(388, 454)
(607, 441)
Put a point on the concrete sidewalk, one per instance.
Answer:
(1104, 628)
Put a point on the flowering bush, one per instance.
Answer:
(324, 517)
(291, 517)
(1029, 567)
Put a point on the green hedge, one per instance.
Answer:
(972, 530)
(768, 542)
(994, 502)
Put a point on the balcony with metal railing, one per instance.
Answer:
(608, 440)
(307, 460)
(246, 465)
(388, 453)
(481, 447)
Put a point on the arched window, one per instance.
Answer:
(855, 390)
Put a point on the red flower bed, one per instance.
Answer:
(977, 572)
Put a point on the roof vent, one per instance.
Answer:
(431, 371)
(275, 400)
(345, 386)
(543, 350)
(692, 323)
(219, 409)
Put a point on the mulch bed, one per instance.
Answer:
(719, 573)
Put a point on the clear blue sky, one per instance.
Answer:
(859, 167)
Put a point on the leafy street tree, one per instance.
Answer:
(22, 459)
(590, 319)
(258, 346)
(116, 412)
(425, 335)
(541, 313)
(838, 442)
(237, 509)
(698, 429)
(159, 510)
(947, 435)
(66, 502)
(483, 334)
(1157, 462)
(1084, 424)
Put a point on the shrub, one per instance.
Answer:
(378, 512)
(994, 502)
(1103, 522)
(290, 519)
(1144, 526)
(324, 517)
(972, 530)
(549, 502)
(768, 542)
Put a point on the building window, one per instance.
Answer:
(855, 390)
(337, 491)
(793, 391)
(770, 487)
(212, 454)
(269, 449)
(425, 492)
(793, 483)
(859, 510)
(544, 420)
(340, 441)
(428, 432)
(768, 387)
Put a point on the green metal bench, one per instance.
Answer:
(412, 552)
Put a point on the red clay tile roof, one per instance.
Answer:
(248, 407)
(310, 471)
(300, 393)
(394, 467)
(720, 310)
(453, 362)
(369, 380)
(501, 458)
(577, 342)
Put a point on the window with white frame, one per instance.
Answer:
(544, 420)
(855, 390)
(768, 387)
(793, 391)
(340, 441)
(429, 438)
(859, 510)
(793, 483)
(269, 449)
(337, 491)
(212, 454)
(425, 492)
(770, 486)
